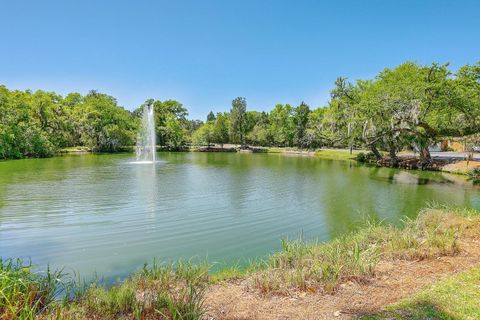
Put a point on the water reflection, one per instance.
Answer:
(99, 213)
(146, 186)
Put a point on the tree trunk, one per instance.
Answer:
(375, 152)
(425, 157)
(393, 154)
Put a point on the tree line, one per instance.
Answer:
(410, 106)
(39, 124)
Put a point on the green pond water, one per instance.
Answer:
(102, 214)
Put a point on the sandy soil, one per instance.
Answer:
(393, 281)
(461, 166)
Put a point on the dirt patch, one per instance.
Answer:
(393, 281)
(461, 166)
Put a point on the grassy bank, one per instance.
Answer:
(173, 291)
(178, 291)
(335, 155)
(324, 154)
(323, 266)
(457, 297)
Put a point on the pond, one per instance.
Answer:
(102, 214)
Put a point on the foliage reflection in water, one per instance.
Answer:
(94, 213)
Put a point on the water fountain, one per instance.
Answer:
(146, 146)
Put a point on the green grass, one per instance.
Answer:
(353, 257)
(275, 150)
(457, 297)
(239, 271)
(158, 291)
(313, 267)
(327, 154)
(324, 154)
(474, 175)
(75, 149)
(335, 155)
(24, 293)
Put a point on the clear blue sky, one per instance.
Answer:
(205, 53)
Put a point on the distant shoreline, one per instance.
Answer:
(451, 162)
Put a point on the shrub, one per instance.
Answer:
(474, 175)
(368, 157)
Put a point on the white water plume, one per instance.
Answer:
(146, 139)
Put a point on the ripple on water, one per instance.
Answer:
(109, 214)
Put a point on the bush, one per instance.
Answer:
(474, 175)
(368, 157)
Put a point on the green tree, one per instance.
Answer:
(193, 125)
(300, 121)
(238, 120)
(260, 134)
(204, 134)
(465, 100)
(210, 116)
(175, 135)
(414, 95)
(102, 124)
(220, 129)
(171, 123)
(38, 124)
(282, 129)
(314, 134)
(346, 119)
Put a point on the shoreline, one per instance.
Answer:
(377, 265)
(457, 166)
(453, 165)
